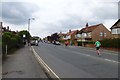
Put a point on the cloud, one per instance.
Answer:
(60, 15)
(17, 12)
(106, 10)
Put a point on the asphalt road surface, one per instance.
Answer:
(78, 62)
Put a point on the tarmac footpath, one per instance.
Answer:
(22, 64)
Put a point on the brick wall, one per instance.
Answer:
(96, 33)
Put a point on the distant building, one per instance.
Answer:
(62, 36)
(71, 37)
(93, 33)
(115, 30)
(6, 29)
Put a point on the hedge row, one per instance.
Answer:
(84, 43)
(107, 43)
(11, 40)
(111, 43)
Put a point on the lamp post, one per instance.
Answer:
(29, 23)
(29, 28)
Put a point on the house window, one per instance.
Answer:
(101, 34)
(78, 35)
(105, 34)
(68, 37)
(89, 34)
(115, 31)
(118, 30)
(84, 35)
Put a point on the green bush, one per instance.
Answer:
(11, 40)
(61, 41)
(87, 42)
(80, 43)
(111, 43)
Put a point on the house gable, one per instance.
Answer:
(116, 25)
(115, 29)
(100, 33)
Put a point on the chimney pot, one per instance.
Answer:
(69, 31)
(86, 24)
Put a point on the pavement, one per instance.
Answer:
(22, 64)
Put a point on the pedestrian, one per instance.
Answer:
(98, 44)
(66, 43)
(54, 42)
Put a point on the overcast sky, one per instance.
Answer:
(57, 15)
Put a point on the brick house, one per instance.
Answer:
(115, 30)
(93, 33)
(62, 36)
(6, 29)
(71, 37)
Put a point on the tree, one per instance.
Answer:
(26, 33)
(49, 38)
(11, 40)
(55, 37)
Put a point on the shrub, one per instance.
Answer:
(62, 41)
(111, 43)
(79, 43)
(11, 40)
(87, 42)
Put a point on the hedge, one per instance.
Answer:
(106, 43)
(88, 42)
(111, 43)
(11, 40)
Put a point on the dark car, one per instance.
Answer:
(34, 42)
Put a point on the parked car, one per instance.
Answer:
(57, 43)
(49, 42)
(34, 42)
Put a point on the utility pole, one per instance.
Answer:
(28, 25)
(6, 49)
(29, 29)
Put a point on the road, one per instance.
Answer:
(78, 62)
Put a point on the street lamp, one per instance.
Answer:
(29, 23)
(29, 28)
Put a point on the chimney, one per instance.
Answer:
(70, 31)
(86, 25)
(60, 32)
(7, 27)
(17, 31)
(1, 24)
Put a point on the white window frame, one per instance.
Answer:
(116, 31)
(101, 34)
(105, 34)
(89, 34)
(84, 35)
(78, 35)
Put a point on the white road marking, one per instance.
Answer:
(88, 55)
(104, 52)
(94, 56)
(94, 50)
(44, 64)
(111, 61)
